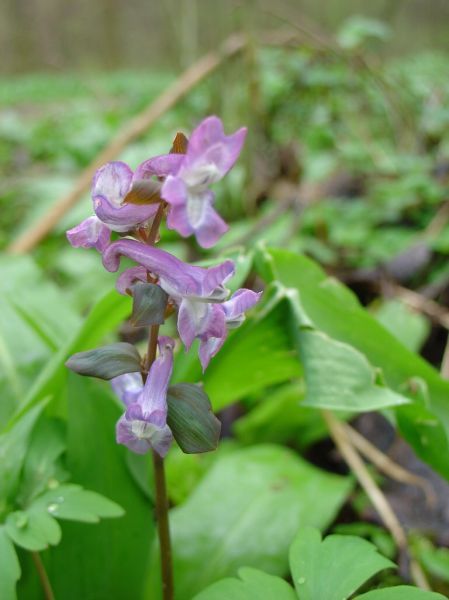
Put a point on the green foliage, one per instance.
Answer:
(245, 511)
(347, 562)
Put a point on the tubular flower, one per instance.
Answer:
(144, 425)
(90, 233)
(233, 314)
(210, 155)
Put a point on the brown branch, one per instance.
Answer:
(387, 465)
(43, 576)
(374, 493)
(129, 132)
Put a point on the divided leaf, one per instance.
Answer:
(74, 503)
(106, 362)
(9, 567)
(33, 529)
(190, 417)
(149, 304)
(252, 584)
(401, 592)
(333, 568)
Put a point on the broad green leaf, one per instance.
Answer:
(13, 448)
(105, 316)
(9, 567)
(401, 592)
(409, 327)
(335, 310)
(33, 529)
(245, 512)
(149, 304)
(70, 501)
(108, 559)
(337, 376)
(333, 568)
(195, 427)
(106, 362)
(251, 585)
(260, 347)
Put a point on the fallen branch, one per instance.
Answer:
(374, 493)
(386, 465)
(132, 130)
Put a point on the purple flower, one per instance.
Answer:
(178, 279)
(232, 314)
(90, 233)
(110, 185)
(144, 425)
(210, 155)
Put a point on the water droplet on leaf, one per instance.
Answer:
(52, 508)
(301, 580)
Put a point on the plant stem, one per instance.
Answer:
(163, 527)
(161, 490)
(45, 582)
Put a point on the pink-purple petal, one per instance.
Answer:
(125, 217)
(159, 166)
(90, 233)
(130, 276)
(241, 301)
(211, 227)
(112, 181)
(128, 387)
(176, 278)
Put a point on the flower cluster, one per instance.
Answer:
(132, 203)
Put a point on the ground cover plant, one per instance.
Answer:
(298, 452)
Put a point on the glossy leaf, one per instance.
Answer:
(149, 304)
(106, 362)
(251, 584)
(245, 512)
(195, 427)
(9, 567)
(347, 562)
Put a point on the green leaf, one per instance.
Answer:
(32, 325)
(41, 466)
(245, 512)
(115, 551)
(333, 568)
(401, 592)
(409, 327)
(72, 502)
(149, 304)
(195, 427)
(262, 347)
(13, 448)
(33, 529)
(106, 362)
(9, 567)
(251, 585)
(104, 317)
(335, 310)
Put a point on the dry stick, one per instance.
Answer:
(374, 493)
(43, 577)
(136, 127)
(385, 464)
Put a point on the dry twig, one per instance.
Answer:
(373, 491)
